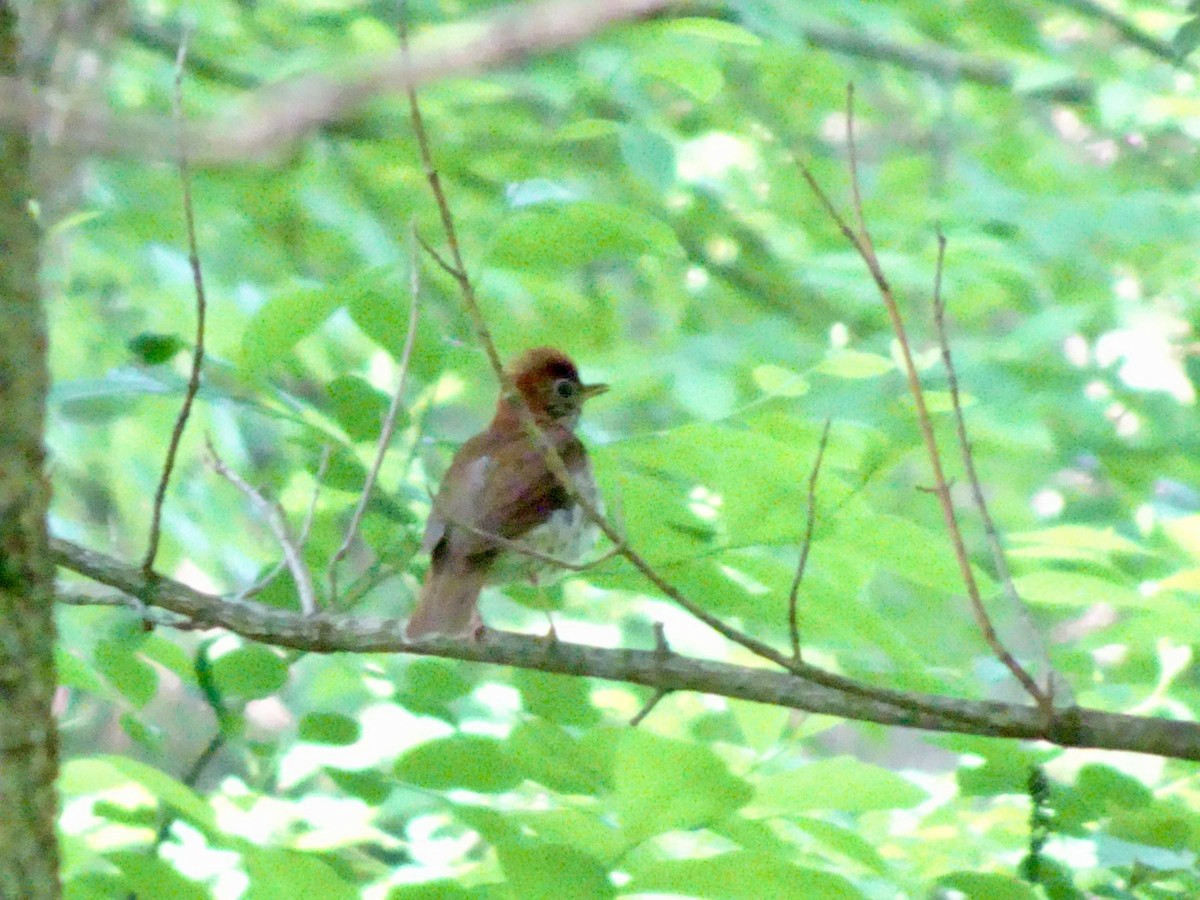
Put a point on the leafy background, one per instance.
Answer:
(635, 202)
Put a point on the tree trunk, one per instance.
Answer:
(28, 740)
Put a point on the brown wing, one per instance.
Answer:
(498, 486)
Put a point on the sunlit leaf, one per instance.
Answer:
(468, 761)
(841, 783)
(572, 234)
(740, 875)
(249, 672)
(662, 785)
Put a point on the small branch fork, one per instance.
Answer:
(292, 549)
(1057, 687)
(456, 268)
(193, 385)
(861, 240)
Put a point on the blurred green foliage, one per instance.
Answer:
(634, 201)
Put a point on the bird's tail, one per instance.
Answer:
(447, 602)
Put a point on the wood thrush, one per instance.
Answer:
(499, 495)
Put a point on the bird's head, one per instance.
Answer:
(549, 383)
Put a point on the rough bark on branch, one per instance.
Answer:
(665, 671)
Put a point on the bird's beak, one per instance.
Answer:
(589, 391)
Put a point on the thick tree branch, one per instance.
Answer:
(659, 669)
(274, 118)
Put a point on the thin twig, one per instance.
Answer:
(662, 653)
(864, 233)
(648, 707)
(277, 522)
(309, 514)
(1055, 683)
(942, 489)
(523, 549)
(810, 519)
(193, 385)
(389, 422)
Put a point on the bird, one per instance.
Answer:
(499, 496)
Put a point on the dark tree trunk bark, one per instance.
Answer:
(28, 739)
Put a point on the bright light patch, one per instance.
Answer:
(1048, 503)
(713, 156)
(1075, 349)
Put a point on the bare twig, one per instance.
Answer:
(810, 519)
(1056, 686)
(193, 385)
(648, 707)
(523, 549)
(309, 514)
(277, 522)
(389, 422)
(866, 251)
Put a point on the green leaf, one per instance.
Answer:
(286, 873)
(100, 400)
(358, 407)
(779, 381)
(564, 699)
(846, 841)
(941, 401)
(283, 321)
(1073, 590)
(1073, 542)
(649, 155)
(854, 364)
(1004, 771)
(987, 886)
(580, 830)
(697, 77)
(662, 785)
(73, 672)
(899, 545)
(1111, 789)
(148, 736)
(152, 876)
(126, 671)
(540, 871)
(96, 774)
(155, 349)
(1187, 38)
(430, 685)
(442, 889)
(563, 235)
(549, 755)
(586, 130)
(334, 729)
(250, 672)
(368, 785)
(468, 761)
(740, 875)
(713, 30)
(843, 784)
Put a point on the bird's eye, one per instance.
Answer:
(566, 388)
